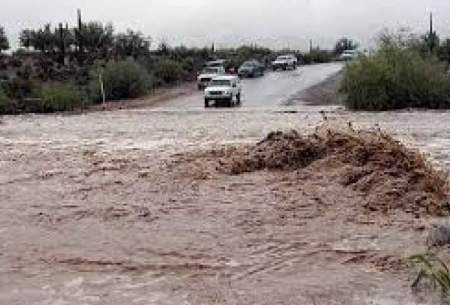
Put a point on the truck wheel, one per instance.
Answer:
(206, 103)
(285, 68)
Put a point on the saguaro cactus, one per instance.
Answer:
(62, 43)
(79, 37)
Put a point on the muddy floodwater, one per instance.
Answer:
(115, 208)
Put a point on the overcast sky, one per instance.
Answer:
(274, 23)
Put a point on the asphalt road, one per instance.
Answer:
(270, 90)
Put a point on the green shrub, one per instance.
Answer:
(18, 88)
(19, 91)
(318, 56)
(6, 105)
(433, 270)
(59, 97)
(122, 79)
(169, 71)
(396, 77)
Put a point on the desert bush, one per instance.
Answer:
(432, 270)
(122, 79)
(396, 77)
(18, 89)
(169, 71)
(444, 51)
(20, 93)
(59, 97)
(6, 105)
(241, 54)
(318, 56)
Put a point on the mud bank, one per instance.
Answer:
(323, 93)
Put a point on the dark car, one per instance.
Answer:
(251, 68)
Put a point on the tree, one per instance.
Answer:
(47, 38)
(97, 38)
(4, 43)
(345, 44)
(132, 44)
(26, 37)
(43, 39)
(164, 48)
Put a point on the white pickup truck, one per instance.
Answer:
(208, 74)
(226, 89)
(284, 62)
(348, 55)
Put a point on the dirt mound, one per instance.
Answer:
(386, 173)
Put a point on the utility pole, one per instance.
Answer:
(310, 45)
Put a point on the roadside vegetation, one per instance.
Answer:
(4, 43)
(404, 71)
(58, 96)
(122, 79)
(432, 272)
(4, 102)
(58, 68)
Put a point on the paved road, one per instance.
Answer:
(268, 91)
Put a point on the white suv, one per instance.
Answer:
(348, 55)
(226, 89)
(284, 62)
(208, 74)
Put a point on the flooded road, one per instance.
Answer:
(107, 208)
(268, 91)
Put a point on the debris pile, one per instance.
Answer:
(388, 174)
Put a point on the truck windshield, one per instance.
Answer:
(220, 83)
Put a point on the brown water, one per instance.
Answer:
(107, 208)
